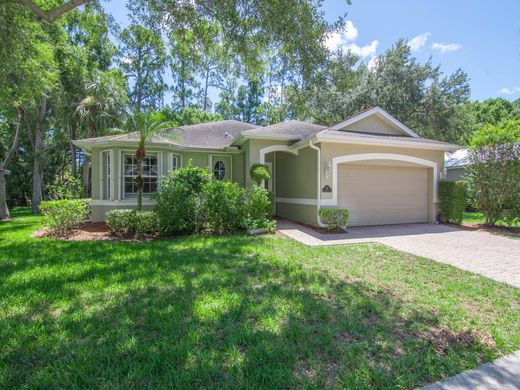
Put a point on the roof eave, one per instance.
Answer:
(386, 142)
(241, 138)
(88, 145)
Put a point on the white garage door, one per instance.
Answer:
(379, 195)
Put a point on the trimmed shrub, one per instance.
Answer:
(334, 218)
(259, 172)
(452, 200)
(258, 209)
(63, 216)
(223, 206)
(132, 223)
(258, 203)
(179, 201)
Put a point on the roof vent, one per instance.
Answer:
(228, 134)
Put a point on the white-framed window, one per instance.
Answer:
(219, 170)
(150, 174)
(176, 162)
(107, 173)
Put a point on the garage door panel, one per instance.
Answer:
(383, 195)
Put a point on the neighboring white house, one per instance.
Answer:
(455, 164)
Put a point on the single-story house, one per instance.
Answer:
(455, 165)
(370, 163)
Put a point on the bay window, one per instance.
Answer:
(150, 174)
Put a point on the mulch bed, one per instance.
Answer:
(96, 231)
(88, 231)
(474, 226)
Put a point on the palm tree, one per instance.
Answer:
(146, 125)
(100, 109)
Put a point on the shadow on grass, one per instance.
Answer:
(205, 312)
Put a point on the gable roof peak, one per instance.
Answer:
(375, 111)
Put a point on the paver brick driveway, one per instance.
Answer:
(487, 254)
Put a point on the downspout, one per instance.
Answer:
(318, 193)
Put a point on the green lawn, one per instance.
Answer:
(239, 312)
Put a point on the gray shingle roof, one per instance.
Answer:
(211, 135)
(292, 129)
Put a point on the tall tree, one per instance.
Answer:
(143, 60)
(416, 93)
(27, 73)
(183, 64)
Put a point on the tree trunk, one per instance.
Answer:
(206, 84)
(4, 210)
(85, 171)
(73, 165)
(140, 155)
(37, 176)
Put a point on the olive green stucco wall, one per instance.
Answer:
(234, 171)
(296, 185)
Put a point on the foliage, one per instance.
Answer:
(452, 200)
(494, 170)
(179, 204)
(143, 60)
(62, 216)
(415, 93)
(223, 206)
(104, 103)
(505, 131)
(132, 223)
(259, 173)
(64, 187)
(334, 218)
(258, 203)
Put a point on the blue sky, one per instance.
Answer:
(482, 37)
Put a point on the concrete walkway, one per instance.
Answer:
(503, 374)
(493, 256)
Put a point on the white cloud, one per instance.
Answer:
(419, 41)
(350, 31)
(509, 91)
(363, 51)
(446, 47)
(340, 38)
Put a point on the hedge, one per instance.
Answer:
(452, 200)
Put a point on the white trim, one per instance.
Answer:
(243, 137)
(374, 111)
(210, 164)
(302, 201)
(101, 174)
(274, 148)
(318, 181)
(377, 156)
(112, 179)
(270, 183)
(170, 161)
(132, 202)
(338, 139)
(157, 153)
